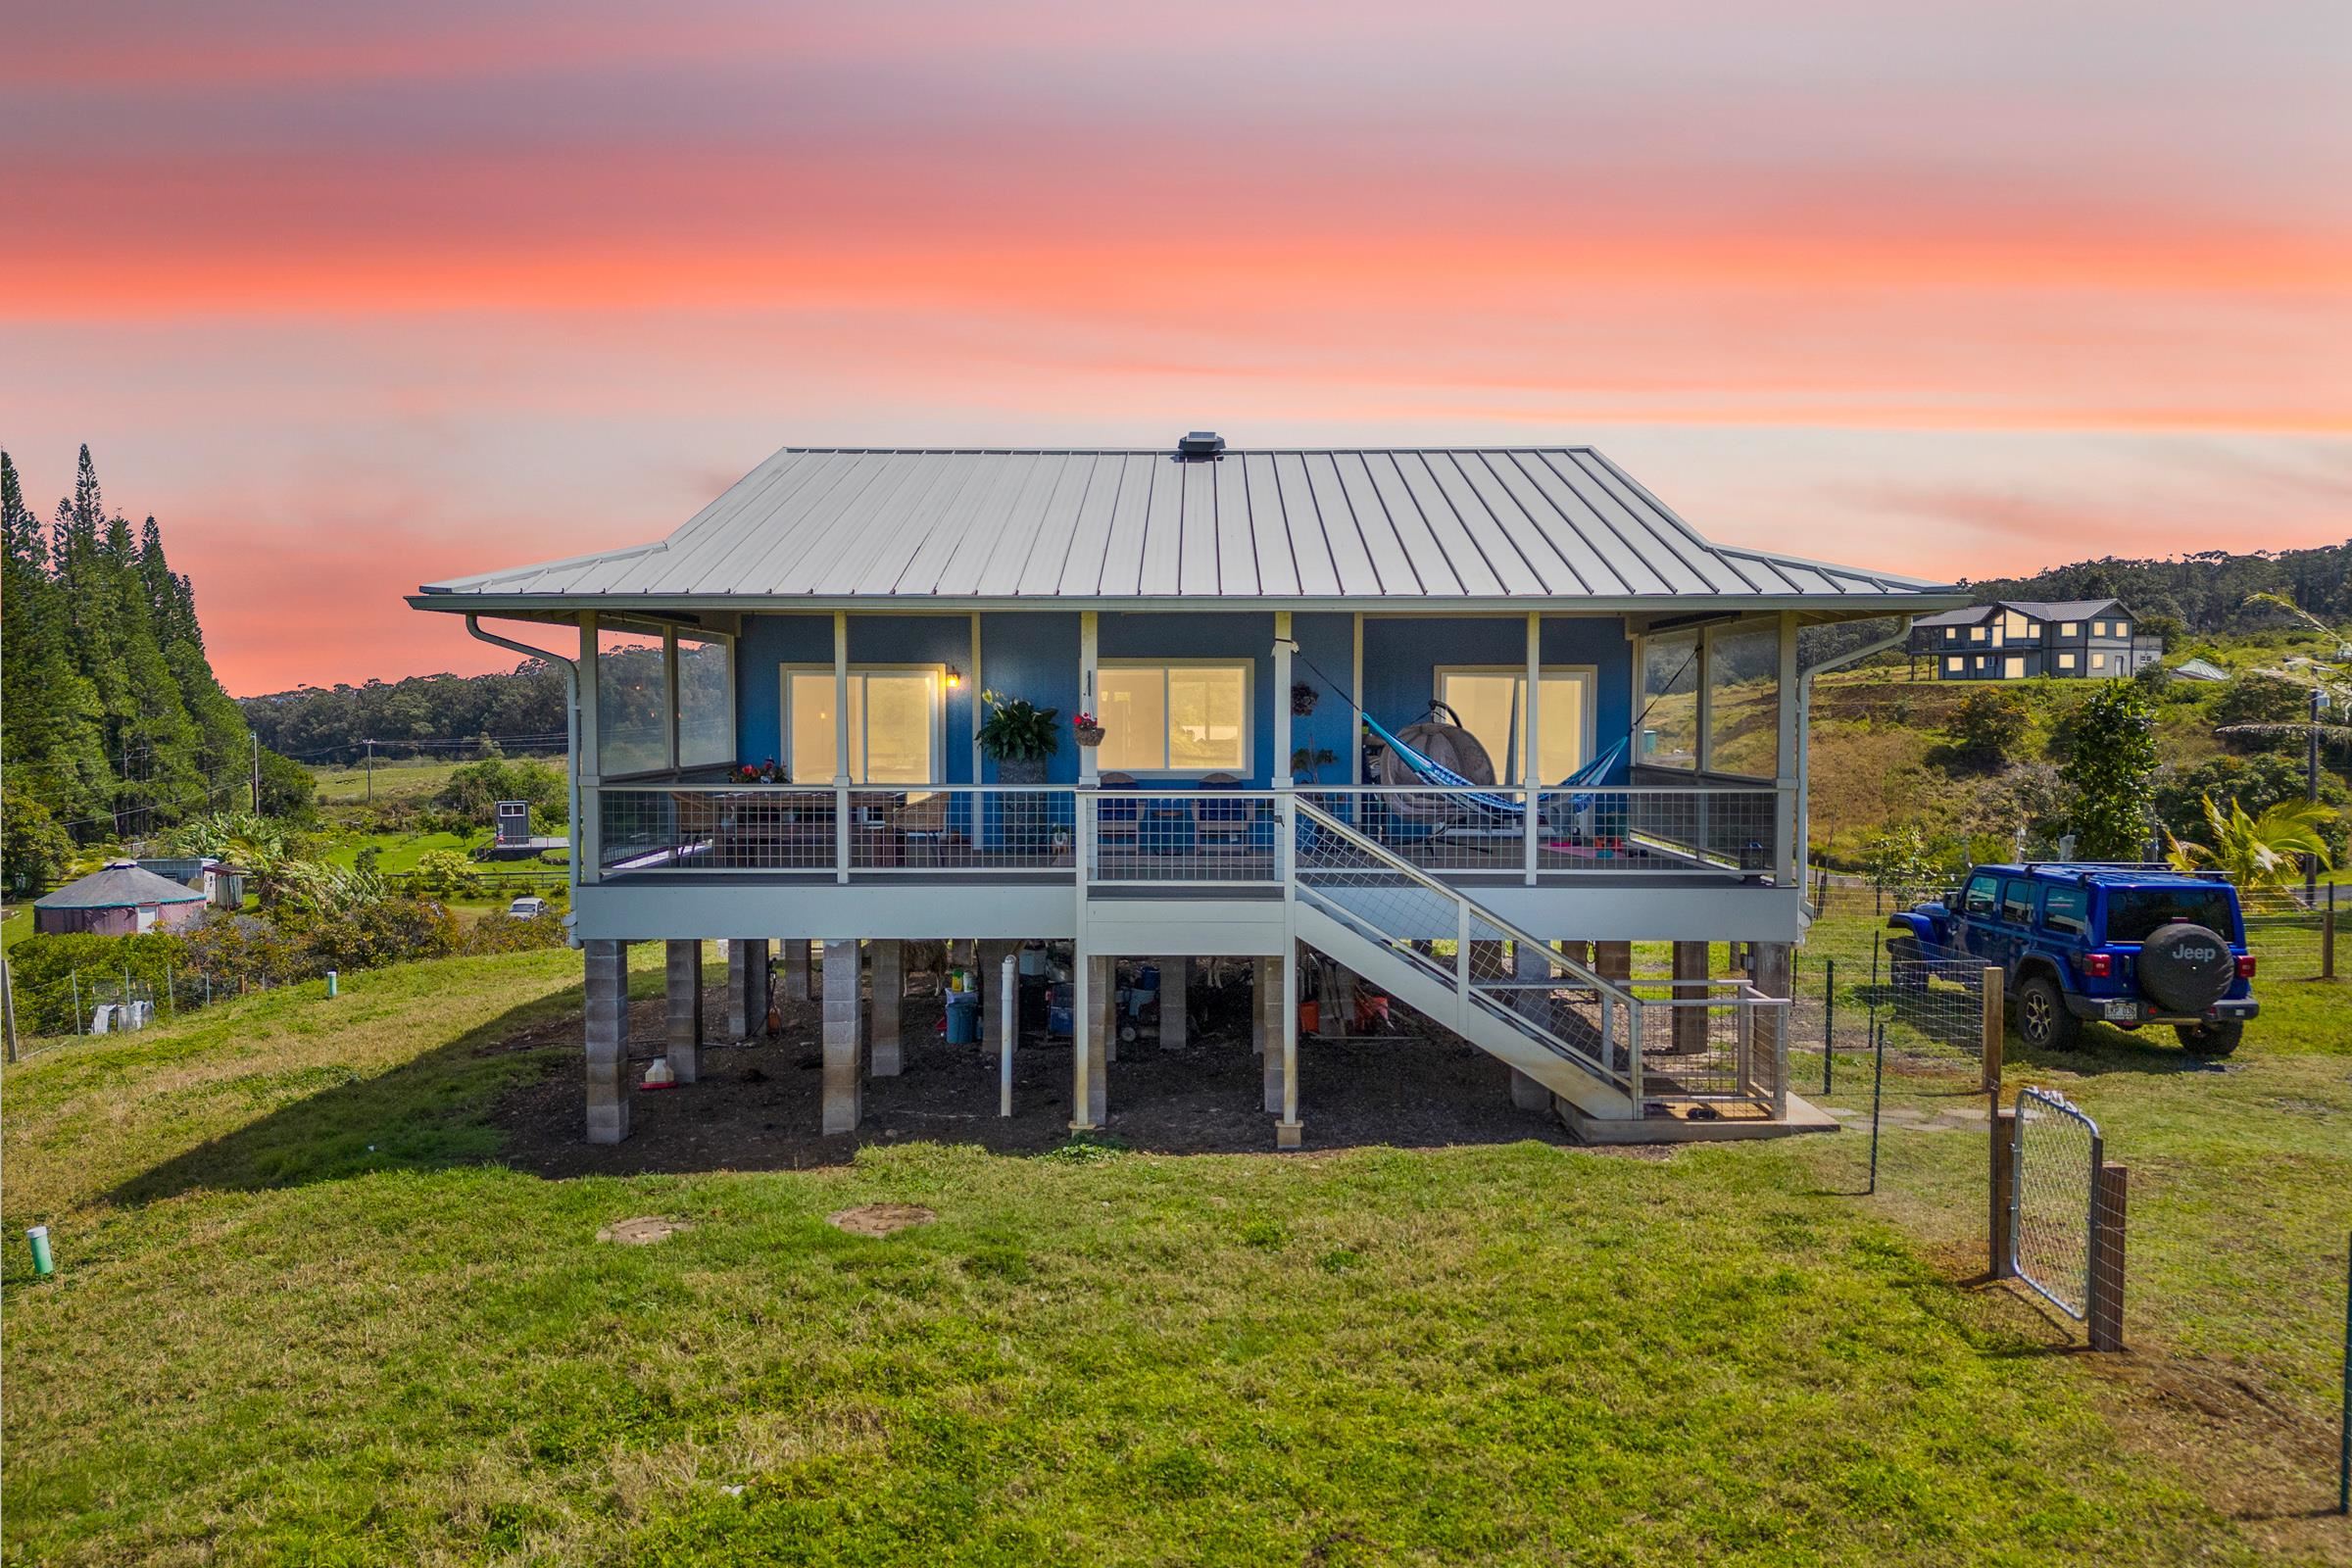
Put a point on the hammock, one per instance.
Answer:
(1472, 798)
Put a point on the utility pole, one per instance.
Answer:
(8, 1007)
(2311, 790)
(370, 773)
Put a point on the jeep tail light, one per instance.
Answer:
(2246, 966)
(2098, 965)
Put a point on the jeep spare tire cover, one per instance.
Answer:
(2184, 967)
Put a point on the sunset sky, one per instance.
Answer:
(352, 298)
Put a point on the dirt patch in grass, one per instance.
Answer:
(642, 1231)
(880, 1219)
(755, 1106)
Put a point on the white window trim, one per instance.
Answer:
(1249, 668)
(1590, 675)
(939, 717)
(1698, 672)
(1706, 698)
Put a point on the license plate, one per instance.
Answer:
(2122, 1009)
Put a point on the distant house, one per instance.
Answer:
(119, 901)
(222, 884)
(2017, 638)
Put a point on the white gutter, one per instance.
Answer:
(1805, 740)
(571, 747)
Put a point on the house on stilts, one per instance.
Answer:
(1467, 723)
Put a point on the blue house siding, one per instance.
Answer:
(1402, 656)
(1035, 654)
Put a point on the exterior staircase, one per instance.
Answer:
(1580, 1034)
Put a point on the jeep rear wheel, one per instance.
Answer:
(1905, 965)
(2042, 1021)
(2216, 1039)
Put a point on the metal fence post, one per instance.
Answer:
(2343, 1457)
(1990, 979)
(1878, 1080)
(74, 977)
(2105, 1314)
(2001, 1181)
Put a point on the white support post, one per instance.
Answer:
(1535, 740)
(973, 688)
(670, 695)
(1356, 724)
(1461, 962)
(1280, 772)
(588, 838)
(1089, 642)
(1287, 1131)
(1789, 855)
(841, 746)
(1009, 1003)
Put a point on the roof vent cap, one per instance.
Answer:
(1200, 444)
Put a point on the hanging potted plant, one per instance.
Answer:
(1018, 736)
(1090, 733)
(1303, 699)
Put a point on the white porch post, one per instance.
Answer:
(841, 746)
(1356, 726)
(1280, 772)
(1787, 864)
(587, 834)
(1088, 642)
(1535, 738)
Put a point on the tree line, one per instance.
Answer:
(2206, 592)
(110, 719)
(522, 709)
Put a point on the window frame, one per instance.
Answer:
(1991, 883)
(938, 719)
(1589, 742)
(1952, 663)
(595, 627)
(1247, 767)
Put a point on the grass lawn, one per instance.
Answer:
(303, 1315)
(408, 778)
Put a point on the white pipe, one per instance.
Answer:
(571, 739)
(1009, 1003)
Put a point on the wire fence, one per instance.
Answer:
(2053, 1199)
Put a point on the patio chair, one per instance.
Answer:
(1223, 821)
(1116, 819)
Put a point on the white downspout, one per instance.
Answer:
(571, 742)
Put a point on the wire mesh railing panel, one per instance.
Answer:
(2053, 1199)
(1184, 836)
(1456, 831)
(1932, 1009)
(751, 827)
(973, 828)
(1706, 831)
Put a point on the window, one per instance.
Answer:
(632, 703)
(2065, 661)
(1174, 717)
(2017, 900)
(2066, 910)
(2098, 662)
(2016, 627)
(1951, 634)
(894, 724)
(2014, 667)
(1975, 634)
(2135, 914)
(706, 702)
(2070, 628)
(1951, 666)
(1669, 700)
(1491, 704)
(1983, 890)
(1744, 701)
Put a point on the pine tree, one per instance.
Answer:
(156, 741)
(222, 738)
(52, 746)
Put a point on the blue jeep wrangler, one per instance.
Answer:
(2125, 945)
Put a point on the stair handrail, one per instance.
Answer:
(1608, 989)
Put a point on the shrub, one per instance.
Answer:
(445, 873)
(1987, 727)
(43, 971)
(2111, 773)
(474, 789)
(499, 934)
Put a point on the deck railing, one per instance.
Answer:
(1704, 832)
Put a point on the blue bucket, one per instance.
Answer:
(963, 1018)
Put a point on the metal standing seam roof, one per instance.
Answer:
(123, 884)
(1445, 525)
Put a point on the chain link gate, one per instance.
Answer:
(2054, 1231)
